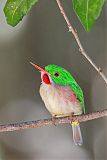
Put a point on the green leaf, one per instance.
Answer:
(15, 10)
(88, 11)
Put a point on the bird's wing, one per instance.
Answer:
(79, 94)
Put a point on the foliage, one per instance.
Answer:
(86, 10)
(15, 10)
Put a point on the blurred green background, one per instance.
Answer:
(43, 38)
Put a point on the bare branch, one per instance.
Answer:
(48, 122)
(81, 49)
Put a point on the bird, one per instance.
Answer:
(62, 96)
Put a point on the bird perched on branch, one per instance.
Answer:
(62, 95)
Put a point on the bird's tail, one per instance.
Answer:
(77, 136)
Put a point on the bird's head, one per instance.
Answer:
(53, 74)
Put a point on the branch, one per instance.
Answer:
(48, 122)
(81, 49)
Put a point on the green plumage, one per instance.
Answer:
(64, 78)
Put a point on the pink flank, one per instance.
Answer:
(67, 93)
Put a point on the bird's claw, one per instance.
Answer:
(71, 116)
(53, 120)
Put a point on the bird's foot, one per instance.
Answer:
(53, 119)
(71, 116)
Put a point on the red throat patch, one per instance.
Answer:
(46, 79)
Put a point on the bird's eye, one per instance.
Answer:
(56, 74)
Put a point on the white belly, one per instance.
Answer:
(57, 103)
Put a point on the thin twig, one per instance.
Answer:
(48, 122)
(81, 49)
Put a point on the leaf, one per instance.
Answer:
(15, 10)
(88, 11)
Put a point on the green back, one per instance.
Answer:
(61, 76)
